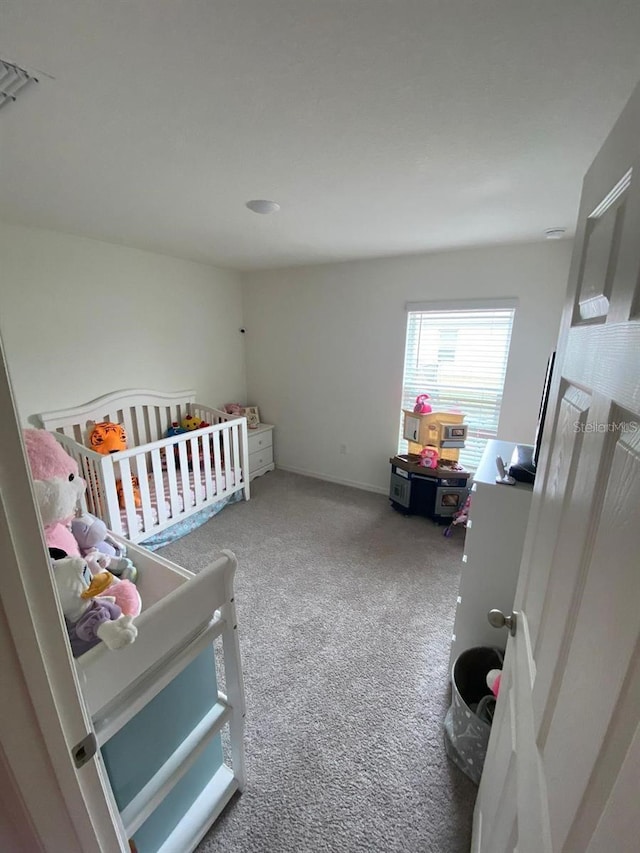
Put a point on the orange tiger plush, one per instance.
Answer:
(135, 485)
(106, 438)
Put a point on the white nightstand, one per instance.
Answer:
(260, 450)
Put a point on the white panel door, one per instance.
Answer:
(562, 769)
(40, 654)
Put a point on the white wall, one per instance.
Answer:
(325, 348)
(80, 318)
(324, 344)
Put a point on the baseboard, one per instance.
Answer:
(365, 487)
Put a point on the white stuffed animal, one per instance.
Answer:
(90, 613)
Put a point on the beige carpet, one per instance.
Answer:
(345, 612)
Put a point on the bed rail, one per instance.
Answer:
(144, 414)
(175, 477)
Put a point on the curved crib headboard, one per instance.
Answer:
(145, 414)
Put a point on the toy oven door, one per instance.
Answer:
(449, 500)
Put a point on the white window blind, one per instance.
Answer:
(459, 357)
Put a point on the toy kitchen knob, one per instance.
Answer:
(498, 620)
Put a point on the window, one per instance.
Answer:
(458, 355)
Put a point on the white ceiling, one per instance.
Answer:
(380, 126)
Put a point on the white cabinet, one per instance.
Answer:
(260, 442)
(493, 549)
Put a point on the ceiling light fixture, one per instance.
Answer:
(13, 79)
(263, 205)
(554, 233)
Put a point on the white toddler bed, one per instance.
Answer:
(157, 710)
(183, 480)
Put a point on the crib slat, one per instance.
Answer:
(236, 454)
(206, 456)
(143, 482)
(211, 416)
(107, 489)
(195, 465)
(129, 500)
(158, 484)
(174, 497)
(85, 431)
(150, 414)
(184, 474)
(243, 462)
(156, 422)
(93, 491)
(115, 416)
(142, 432)
(127, 423)
(86, 473)
(217, 463)
(228, 461)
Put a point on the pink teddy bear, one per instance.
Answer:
(58, 488)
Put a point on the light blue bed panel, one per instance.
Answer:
(135, 753)
(157, 827)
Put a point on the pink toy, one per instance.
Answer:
(429, 457)
(125, 594)
(422, 407)
(233, 408)
(57, 487)
(494, 676)
(460, 517)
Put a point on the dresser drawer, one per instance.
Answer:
(259, 441)
(260, 458)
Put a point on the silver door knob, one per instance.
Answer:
(499, 620)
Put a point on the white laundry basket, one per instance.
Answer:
(467, 725)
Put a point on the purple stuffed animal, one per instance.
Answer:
(92, 536)
(91, 533)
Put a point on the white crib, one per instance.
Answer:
(188, 476)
